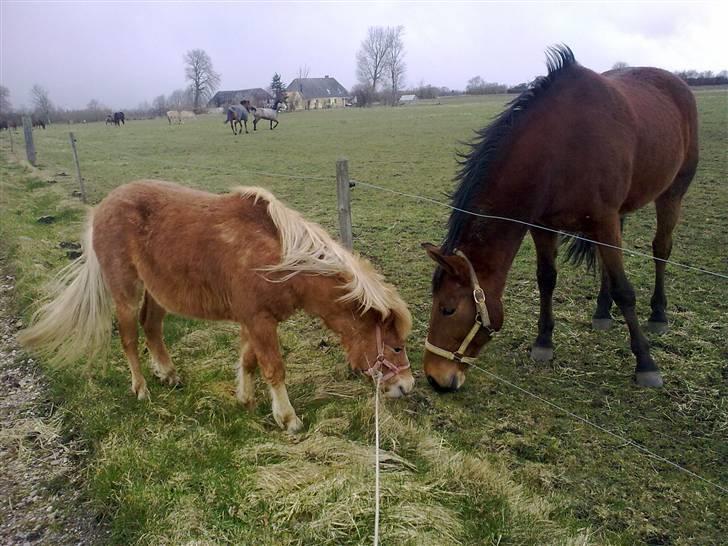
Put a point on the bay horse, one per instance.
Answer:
(575, 152)
(241, 257)
(238, 115)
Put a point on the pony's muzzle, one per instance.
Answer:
(400, 385)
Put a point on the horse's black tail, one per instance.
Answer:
(581, 251)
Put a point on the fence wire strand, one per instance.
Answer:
(624, 439)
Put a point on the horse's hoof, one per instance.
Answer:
(657, 327)
(602, 324)
(142, 393)
(648, 379)
(295, 426)
(542, 354)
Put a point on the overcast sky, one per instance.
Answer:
(122, 53)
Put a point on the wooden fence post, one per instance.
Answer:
(78, 167)
(29, 146)
(343, 196)
(10, 132)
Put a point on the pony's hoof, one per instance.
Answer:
(602, 324)
(648, 379)
(295, 426)
(542, 354)
(657, 327)
(141, 391)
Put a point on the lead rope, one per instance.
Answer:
(376, 460)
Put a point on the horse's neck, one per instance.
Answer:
(491, 246)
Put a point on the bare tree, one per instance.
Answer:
(5, 106)
(394, 64)
(371, 58)
(42, 103)
(203, 78)
(619, 65)
(178, 99)
(160, 105)
(303, 71)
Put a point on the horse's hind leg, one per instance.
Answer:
(602, 317)
(667, 207)
(245, 389)
(126, 314)
(647, 373)
(546, 243)
(273, 126)
(151, 316)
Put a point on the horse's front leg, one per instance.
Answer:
(264, 341)
(546, 244)
(246, 126)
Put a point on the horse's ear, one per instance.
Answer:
(453, 265)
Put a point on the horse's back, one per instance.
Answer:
(189, 248)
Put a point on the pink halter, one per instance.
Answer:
(382, 362)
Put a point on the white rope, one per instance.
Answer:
(376, 460)
(291, 176)
(624, 439)
(529, 224)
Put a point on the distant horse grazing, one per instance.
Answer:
(109, 119)
(238, 115)
(38, 122)
(575, 152)
(179, 115)
(119, 118)
(241, 257)
(270, 114)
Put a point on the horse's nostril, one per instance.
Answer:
(454, 383)
(401, 389)
(439, 388)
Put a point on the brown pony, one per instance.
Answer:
(241, 257)
(575, 152)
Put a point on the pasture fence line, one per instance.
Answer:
(354, 183)
(377, 491)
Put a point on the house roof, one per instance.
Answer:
(318, 87)
(408, 97)
(229, 97)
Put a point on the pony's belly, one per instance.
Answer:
(192, 301)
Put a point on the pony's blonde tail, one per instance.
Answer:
(74, 318)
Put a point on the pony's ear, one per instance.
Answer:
(453, 265)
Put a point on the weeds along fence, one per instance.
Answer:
(344, 186)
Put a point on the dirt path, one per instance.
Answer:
(40, 493)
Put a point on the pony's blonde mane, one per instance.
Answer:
(307, 248)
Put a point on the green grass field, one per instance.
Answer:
(487, 465)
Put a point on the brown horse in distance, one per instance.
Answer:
(241, 257)
(575, 152)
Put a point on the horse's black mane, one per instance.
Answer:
(485, 149)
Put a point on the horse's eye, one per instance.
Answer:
(397, 349)
(447, 311)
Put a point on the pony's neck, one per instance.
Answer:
(491, 246)
(321, 298)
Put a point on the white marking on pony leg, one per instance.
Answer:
(283, 411)
(245, 388)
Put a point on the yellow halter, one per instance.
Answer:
(482, 320)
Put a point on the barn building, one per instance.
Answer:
(315, 93)
(257, 96)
